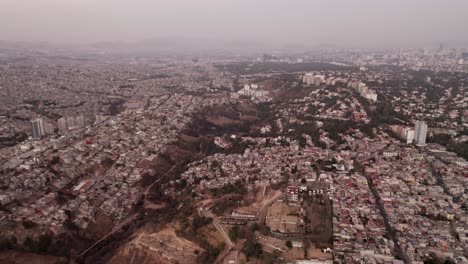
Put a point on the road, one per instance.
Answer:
(401, 254)
(435, 173)
(220, 228)
(438, 177)
(230, 245)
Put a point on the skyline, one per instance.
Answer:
(361, 23)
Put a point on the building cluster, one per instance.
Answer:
(252, 91)
(358, 86)
(389, 199)
(321, 104)
(96, 171)
(403, 132)
(70, 123)
(258, 165)
(417, 135)
(359, 232)
(408, 199)
(424, 214)
(313, 79)
(44, 87)
(453, 172)
(449, 60)
(440, 100)
(363, 90)
(40, 128)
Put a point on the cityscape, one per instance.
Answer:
(315, 154)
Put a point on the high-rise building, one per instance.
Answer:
(48, 128)
(404, 133)
(71, 122)
(409, 135)
(420, 132)
(312, 79)
(79, 121)
(37, 126)
(308, 78)
(362, 88)
(372, 96)
(62, 125)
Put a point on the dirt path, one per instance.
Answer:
(149, 205)
(266, 203)
(114, 230)
(220, 229)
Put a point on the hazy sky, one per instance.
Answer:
(340, 22)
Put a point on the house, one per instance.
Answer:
(292, 193)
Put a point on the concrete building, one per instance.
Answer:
(71, 122)
(292, 193)
(308, 78)
(420, 133)
(80, 121)
(371, 96)
(362, 88)
(48, 128)
(409, 135)
(312, 79)
(62, 125)
(37, 128)
(405, 133)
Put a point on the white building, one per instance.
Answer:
(420, 133)
(362, 88)
(312, 79)
(308, 78)
(371, 97)
(408, 135)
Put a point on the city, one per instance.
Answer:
(328, 155)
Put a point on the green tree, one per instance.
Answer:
(235, 233)
(252, 248)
